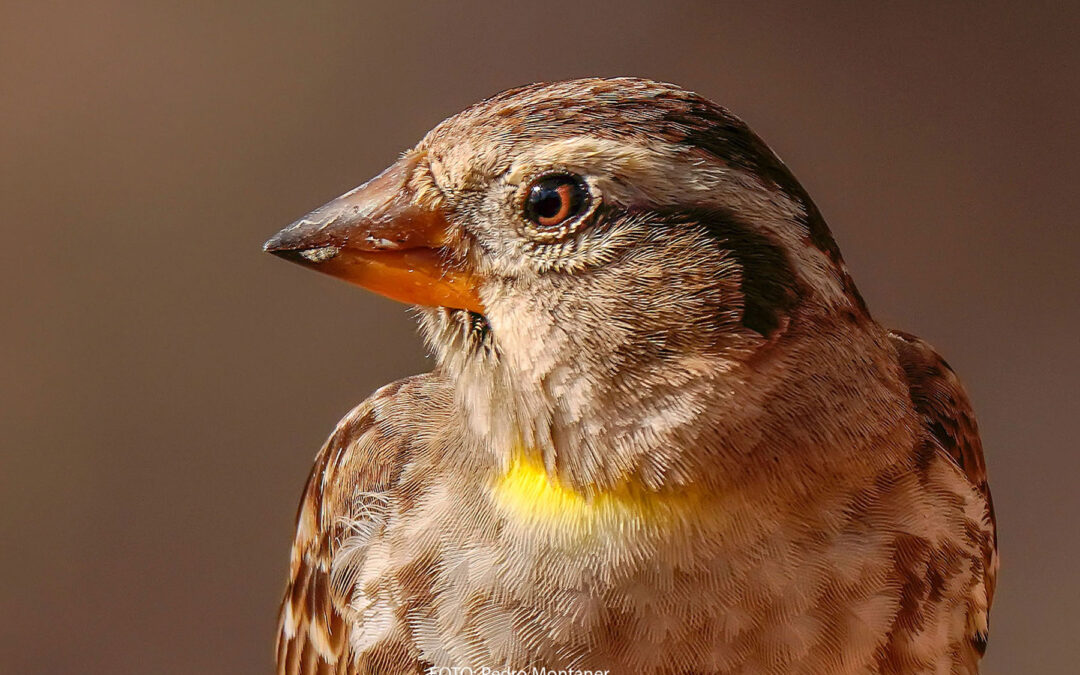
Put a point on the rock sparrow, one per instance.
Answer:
(663, 434)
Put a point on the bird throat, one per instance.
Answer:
(526, 492)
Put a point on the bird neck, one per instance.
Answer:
(580, 439)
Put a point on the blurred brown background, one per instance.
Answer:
(165, 384)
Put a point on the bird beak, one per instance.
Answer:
(378, 236)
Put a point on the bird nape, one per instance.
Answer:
(663, 433)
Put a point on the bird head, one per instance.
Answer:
(594, 260)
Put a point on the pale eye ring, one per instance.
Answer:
(554, 199)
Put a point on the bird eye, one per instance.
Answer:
(553, 200)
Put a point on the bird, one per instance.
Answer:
(662, 434)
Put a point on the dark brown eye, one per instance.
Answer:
(553, 200)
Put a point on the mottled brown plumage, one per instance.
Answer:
(663, 435)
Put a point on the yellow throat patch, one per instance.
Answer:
(528, 493)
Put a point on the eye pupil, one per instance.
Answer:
(555, 199)
(549, 204)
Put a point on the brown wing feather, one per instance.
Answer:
(943, 404)
(315, 619)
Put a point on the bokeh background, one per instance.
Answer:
(164, 384)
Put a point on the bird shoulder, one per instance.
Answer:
(948, 420)
(345, 505)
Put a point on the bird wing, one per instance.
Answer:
(947, 415)
(343, 508)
